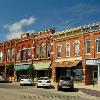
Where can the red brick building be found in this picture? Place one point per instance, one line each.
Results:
(77, 54)
(29, 49)
(74, 52)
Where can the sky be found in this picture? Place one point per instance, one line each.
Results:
(20, 16)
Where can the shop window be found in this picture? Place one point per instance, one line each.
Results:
(59, 51)
(48, 50)
(98, 44)
(43, 51)
(88, 46)
(76, 48)
(77, 74)
(67, 50)
(18, 55)
(29, 53)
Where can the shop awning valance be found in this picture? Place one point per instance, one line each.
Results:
(65, 64)
(42, 65)
(22, 66)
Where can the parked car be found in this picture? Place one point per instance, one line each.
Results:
(65, 82)
(2, 78)
(26, 81)
(43, 82)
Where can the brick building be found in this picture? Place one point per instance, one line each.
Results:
(74, 52)
(77, 54)
(29, 49)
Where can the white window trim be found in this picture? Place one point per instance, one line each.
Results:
(97, 45)
(57, 50)
(86, 45)
(78, 47)
(66, 49)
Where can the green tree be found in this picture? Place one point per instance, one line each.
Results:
(10, 69)
(31, 71)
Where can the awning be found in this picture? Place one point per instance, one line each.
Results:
(42, 65)
(22, 66)
(65, 64)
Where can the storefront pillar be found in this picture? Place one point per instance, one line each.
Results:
(84, 73)
(54, 74)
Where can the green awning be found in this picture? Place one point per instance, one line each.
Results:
(22, 66)
(42, 65)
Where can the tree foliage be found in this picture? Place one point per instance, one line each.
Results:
(31, 71)
(10, 69)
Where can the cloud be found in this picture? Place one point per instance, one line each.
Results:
(16, 29)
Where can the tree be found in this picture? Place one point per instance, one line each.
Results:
(10, 69)
(31, 71)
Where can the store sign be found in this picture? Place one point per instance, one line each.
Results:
(91, 62)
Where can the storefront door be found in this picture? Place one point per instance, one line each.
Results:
(95, 74)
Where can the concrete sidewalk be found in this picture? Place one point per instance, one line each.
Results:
(90, 90)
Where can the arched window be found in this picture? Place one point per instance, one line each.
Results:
(48, 50)
(76, 48)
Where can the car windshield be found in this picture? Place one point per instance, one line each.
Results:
(65, 78)
(43, 78)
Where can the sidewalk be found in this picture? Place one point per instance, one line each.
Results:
(89, 89)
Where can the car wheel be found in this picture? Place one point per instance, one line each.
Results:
(59, 89)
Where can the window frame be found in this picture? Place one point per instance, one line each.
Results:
(59, 53)
(97, 47)
(67, 50)
(75, 48)
(88, 46)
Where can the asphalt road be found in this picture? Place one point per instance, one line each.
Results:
(10, 91)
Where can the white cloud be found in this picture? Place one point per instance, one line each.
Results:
(16, 29)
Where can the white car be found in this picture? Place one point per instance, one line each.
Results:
(2, 78)
(26, 81)
(43, 82)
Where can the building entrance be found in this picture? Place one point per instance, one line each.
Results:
(95, 74)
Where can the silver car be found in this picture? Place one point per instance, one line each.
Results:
(65, 82)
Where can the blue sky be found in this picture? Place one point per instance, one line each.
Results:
(19, 16)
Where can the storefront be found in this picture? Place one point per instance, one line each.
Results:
(42, 69)
(21, 69)
(67, 68)
(92, 71)
(2, 69)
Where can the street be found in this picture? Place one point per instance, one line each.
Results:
(11, 91)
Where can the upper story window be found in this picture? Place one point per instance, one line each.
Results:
(98, 44)
(8, 54)
(13, 51)
(18, 56)
(1, 56)
(68, 50)
(29, 53)
(23, 54)
(88, 45)
(48, 50)
(76, 48)
(37, 52)
(59, 51)
(43, 51)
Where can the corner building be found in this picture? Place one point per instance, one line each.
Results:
(77, 54)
